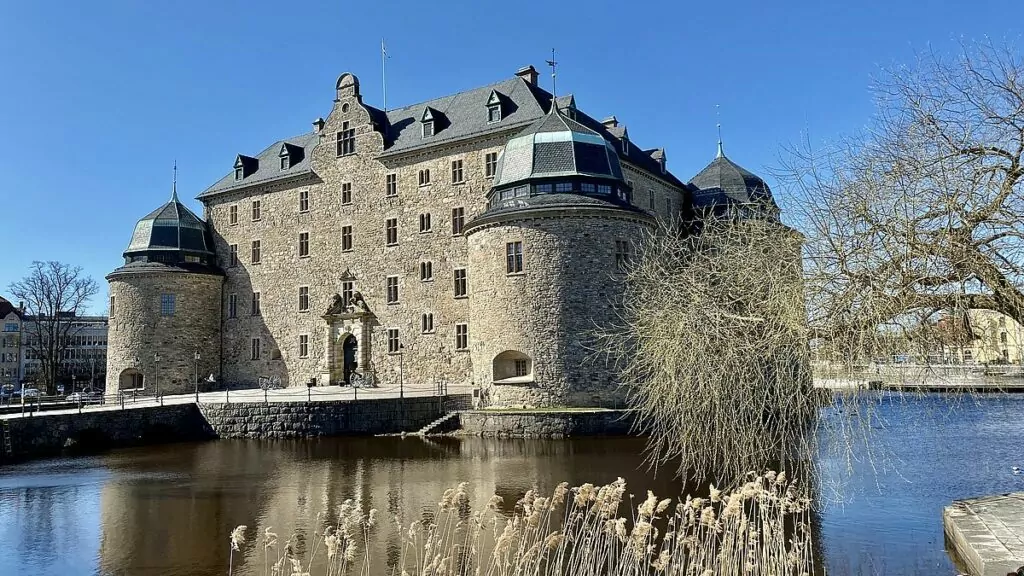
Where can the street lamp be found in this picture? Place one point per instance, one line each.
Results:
(156, 376)
(401, 371)
(197, 375)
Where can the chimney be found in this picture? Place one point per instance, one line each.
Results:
(318, 124)
(528, 73)
(21, 306)
(610, 122)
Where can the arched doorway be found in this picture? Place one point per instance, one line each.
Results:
(130, 379)
(350, 353)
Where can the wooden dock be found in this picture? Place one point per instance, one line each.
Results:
(987, 534)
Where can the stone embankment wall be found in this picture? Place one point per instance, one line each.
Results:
(526, 424)
(305, 420)
(47, 434)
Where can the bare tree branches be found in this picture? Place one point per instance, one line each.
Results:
(53, 293)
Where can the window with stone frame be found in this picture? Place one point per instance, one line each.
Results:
(257, 212)
(391, 187)
(348, 288)
(513, 257)
(346, 140)
(303, 298)
(461, 290)
(391, 289)
(255, 310)
(303, 244)
(303, 345)
(256, 251)
(458, 220)
(427, 323)
(232, 255)
(391, 231)
(462, 336)
(425, 177)
(233, 214)
(232, 305)
(303, 200)
(425, 223)
(457, 173)
(346, 193)
(668, 207)
(110, 313)
(167, 304)
(623, 254)
(346, 238)
(490, 164)
(255, 349)
(426, 271)
(394, 346)
(650, 199)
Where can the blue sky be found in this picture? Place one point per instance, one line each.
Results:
(97, 99)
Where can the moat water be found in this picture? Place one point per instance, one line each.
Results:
(167, 510)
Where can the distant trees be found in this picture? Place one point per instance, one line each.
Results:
(53, 293)
(921, 213)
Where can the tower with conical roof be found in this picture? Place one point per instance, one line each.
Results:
(545, 262)
(165, 305)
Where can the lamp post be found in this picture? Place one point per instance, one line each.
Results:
(156, 372)
(197, 375)
(401, 371)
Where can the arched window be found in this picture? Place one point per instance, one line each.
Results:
(131, 379)
(513, 366)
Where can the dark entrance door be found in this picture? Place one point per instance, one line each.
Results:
(349, 349)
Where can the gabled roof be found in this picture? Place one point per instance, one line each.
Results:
(6, 308)
(269, 168)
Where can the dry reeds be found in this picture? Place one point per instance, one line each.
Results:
(760, 527)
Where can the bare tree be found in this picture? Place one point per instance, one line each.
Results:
(53, 293)
(921, 213)
(713, 347)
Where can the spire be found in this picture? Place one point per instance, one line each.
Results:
(552, 63)
(720, 153)
(174, 183)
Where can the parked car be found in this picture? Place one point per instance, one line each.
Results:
(30, 395)
(87, 396)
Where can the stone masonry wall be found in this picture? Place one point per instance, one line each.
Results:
(568, 288)
(545, 424)
(302, 420)
(138, 331)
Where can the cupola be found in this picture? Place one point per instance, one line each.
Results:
(724, 186)
(172, 234)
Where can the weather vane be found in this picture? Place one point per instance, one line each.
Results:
(552, 63)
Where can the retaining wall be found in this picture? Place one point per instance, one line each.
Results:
(528, 424)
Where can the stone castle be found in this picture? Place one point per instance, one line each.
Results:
(472, 240)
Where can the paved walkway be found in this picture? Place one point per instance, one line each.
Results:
(293, 394)
(987, 533)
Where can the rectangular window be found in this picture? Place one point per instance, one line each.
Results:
(391, 231)
(514, 257)
(542, 188)
(303, 345)
(346, 238)
(460, 283)
(393, 345)
(167, 304)
(346, 193)
(255, 355)
(493, 113)
(563, 187)
(588, 188)
(392, 185)
(428, 129)
(391, 289)
(425, 222)
(346, 140)
(650, 200)
(426, 271)
(668, 206)
(458, 220)
(303, 200)
(239, 173)
(255, 251)
(522, 367)
(232, 305)
(303, 244)
(111, 310)
(233, 255)
(285, 164)
(462, 336)
(303, 298)
(604, 189)
(425, 177)
(457, 177)
(427, 323)
(255, 303)
(490, 164)
(256, 212)
(347, 289)
(233, 214)
(622, 255)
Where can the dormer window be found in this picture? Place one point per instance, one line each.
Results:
(428, 129)
(290, 155)
(245, 166)
(429, 123)
(285, 163)
(239, 173)
(625, 143)
(494, 107)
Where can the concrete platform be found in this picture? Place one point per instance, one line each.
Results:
(987, 534)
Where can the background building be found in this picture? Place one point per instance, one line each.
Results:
(84, 360)
(990, 338)
(10, 344)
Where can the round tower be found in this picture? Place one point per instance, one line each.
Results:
(545, 262)
(165, 306)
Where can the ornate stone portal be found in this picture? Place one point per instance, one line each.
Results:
(349, 338)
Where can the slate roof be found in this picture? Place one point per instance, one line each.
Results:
(725, 182)
(465, 116)
(170, 227)
(6, 308)
(555, 201)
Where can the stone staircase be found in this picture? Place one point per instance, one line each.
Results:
(433, 426)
